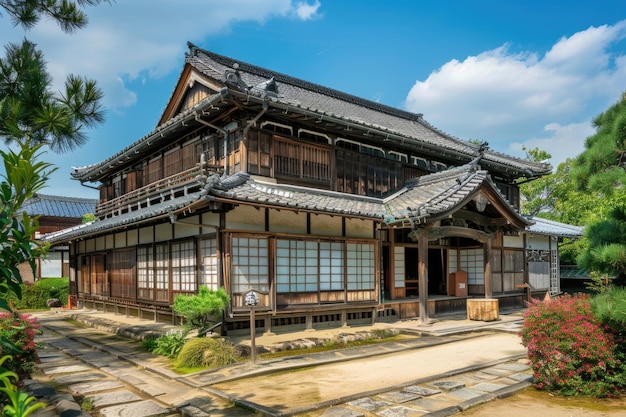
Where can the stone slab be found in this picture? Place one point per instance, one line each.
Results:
(369, 404)
(400, 411)
(131, 379)
(113, 398)
(151, 389)
(488, 387)
(50, 357)
(341, 412)
(80, 377)
(95, 386)
(522, 377)
(191, 411)
(497, 371)
(465, 394)
(471, 379)
(398, 396)
(486, 376)
(98, 359)
(423, 391)
(448, 385)
(71, 369)
(436, 403)
(138, 409)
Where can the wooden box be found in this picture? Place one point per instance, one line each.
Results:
(483, 309)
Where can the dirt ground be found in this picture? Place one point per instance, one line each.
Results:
(535, 403)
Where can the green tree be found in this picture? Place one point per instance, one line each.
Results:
(558, 197)
(68, 14)
(599, 171)
(30, 112)
(33, 116)
(202, 309)
(601, 166)
(24, 177)
(538, 195)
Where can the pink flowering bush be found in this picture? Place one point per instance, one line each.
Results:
(18, 340)
(570, 351)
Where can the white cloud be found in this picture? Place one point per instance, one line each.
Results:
(561, 142)
(128, 41)
(522, 98)
(307, 11)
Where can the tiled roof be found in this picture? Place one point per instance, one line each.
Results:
(552, 228)
(422, 199)
(300, 94)
(294, 197)
(437, 193)
(57, 206)
(297, 95)
(134, 217)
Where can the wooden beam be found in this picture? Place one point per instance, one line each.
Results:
(422, 275)
(488, 275)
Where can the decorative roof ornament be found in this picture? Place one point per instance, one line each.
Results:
(481, 202)
(265, 89)
(233, 77)
(482, 148)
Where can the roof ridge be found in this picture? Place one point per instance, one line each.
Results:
(298, 82)
(64, 198)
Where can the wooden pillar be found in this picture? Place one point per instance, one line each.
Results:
(488, 278)
(422, 275)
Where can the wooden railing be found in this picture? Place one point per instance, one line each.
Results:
(156, 192)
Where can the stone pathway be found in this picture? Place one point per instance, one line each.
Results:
(121, 380)
(115, 385)
(444, 396)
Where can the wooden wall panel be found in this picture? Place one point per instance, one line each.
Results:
(123, 275)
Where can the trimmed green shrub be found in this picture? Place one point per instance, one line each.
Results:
(170, 344)
(610, 308)
(207, 352)
(34, 296)
(149, 344)
(570, 351)
(203, 309)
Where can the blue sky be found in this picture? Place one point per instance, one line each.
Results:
(529, 73)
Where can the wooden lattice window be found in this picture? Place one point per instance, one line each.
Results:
(360, 266)
(297, 266)
(183, 258)
(250, 264)
(210, 272)
(161, 272)
(145, 272)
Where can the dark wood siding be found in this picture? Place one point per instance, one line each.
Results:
(363, 174)
(123, 276)
(98, 275)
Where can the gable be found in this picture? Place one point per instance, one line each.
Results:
(190, 90)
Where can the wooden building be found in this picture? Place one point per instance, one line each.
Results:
(331, 208)
(54, 213)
